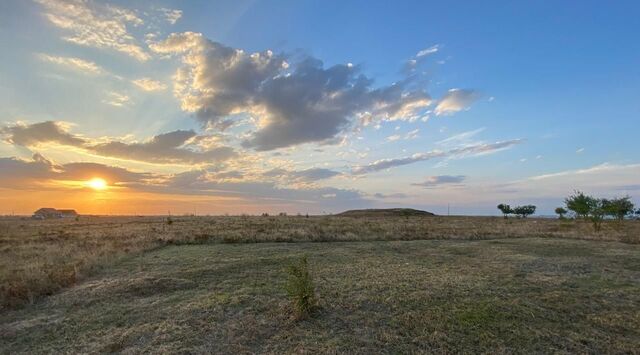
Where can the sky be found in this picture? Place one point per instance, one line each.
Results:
(216, 107)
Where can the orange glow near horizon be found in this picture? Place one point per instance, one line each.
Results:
(124, 201)
(97, 184)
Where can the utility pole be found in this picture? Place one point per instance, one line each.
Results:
(448, 206)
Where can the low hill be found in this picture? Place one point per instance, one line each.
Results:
(385, 212)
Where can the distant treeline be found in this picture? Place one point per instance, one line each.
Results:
(582, 206)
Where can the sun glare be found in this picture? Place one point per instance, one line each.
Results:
(97, 184)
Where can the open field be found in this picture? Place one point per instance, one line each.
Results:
(504, 295)
(40, 257)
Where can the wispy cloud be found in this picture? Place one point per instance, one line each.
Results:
(96, 25)
(117, 99)
(147, 84)
(306, 175)
(171, 16)
(73, 63)
(428, 51)
(473, 150)
(439, 180)
(412, 134)
(456, 100)
(393, 138)
(460, 138)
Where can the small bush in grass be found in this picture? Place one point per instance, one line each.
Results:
(300, 288)
(169, 221)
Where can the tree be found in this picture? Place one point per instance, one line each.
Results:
(505, 209)
(618, 208)
(561, 212)
(580, 204)
(597, 211)
(524, 211)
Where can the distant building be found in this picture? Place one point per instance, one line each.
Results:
(48, 213)
(68, 213)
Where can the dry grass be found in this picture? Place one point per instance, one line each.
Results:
(41, 257)
(526, 295)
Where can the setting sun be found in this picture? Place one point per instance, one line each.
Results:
(97, 184)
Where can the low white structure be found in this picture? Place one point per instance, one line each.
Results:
(48, 213)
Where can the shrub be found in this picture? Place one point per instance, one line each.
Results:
(580, 204)
(619, 208)
(505, 209)
(169, 221)
(300, 288)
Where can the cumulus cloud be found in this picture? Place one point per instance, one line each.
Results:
(293, 103)
(456, 100)
(172, 147)
(147, 84)
(439, 180)
(95, 25)
(472, 150)
(74, 63)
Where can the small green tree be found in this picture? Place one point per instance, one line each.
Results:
(619, 208)
(561, 212)
(524, 211)
(505, 209)
(580, 204)
(300, 288)
(597, 211)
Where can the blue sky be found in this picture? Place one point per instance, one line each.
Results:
(511, 102)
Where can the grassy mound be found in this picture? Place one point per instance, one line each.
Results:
(385, 212)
